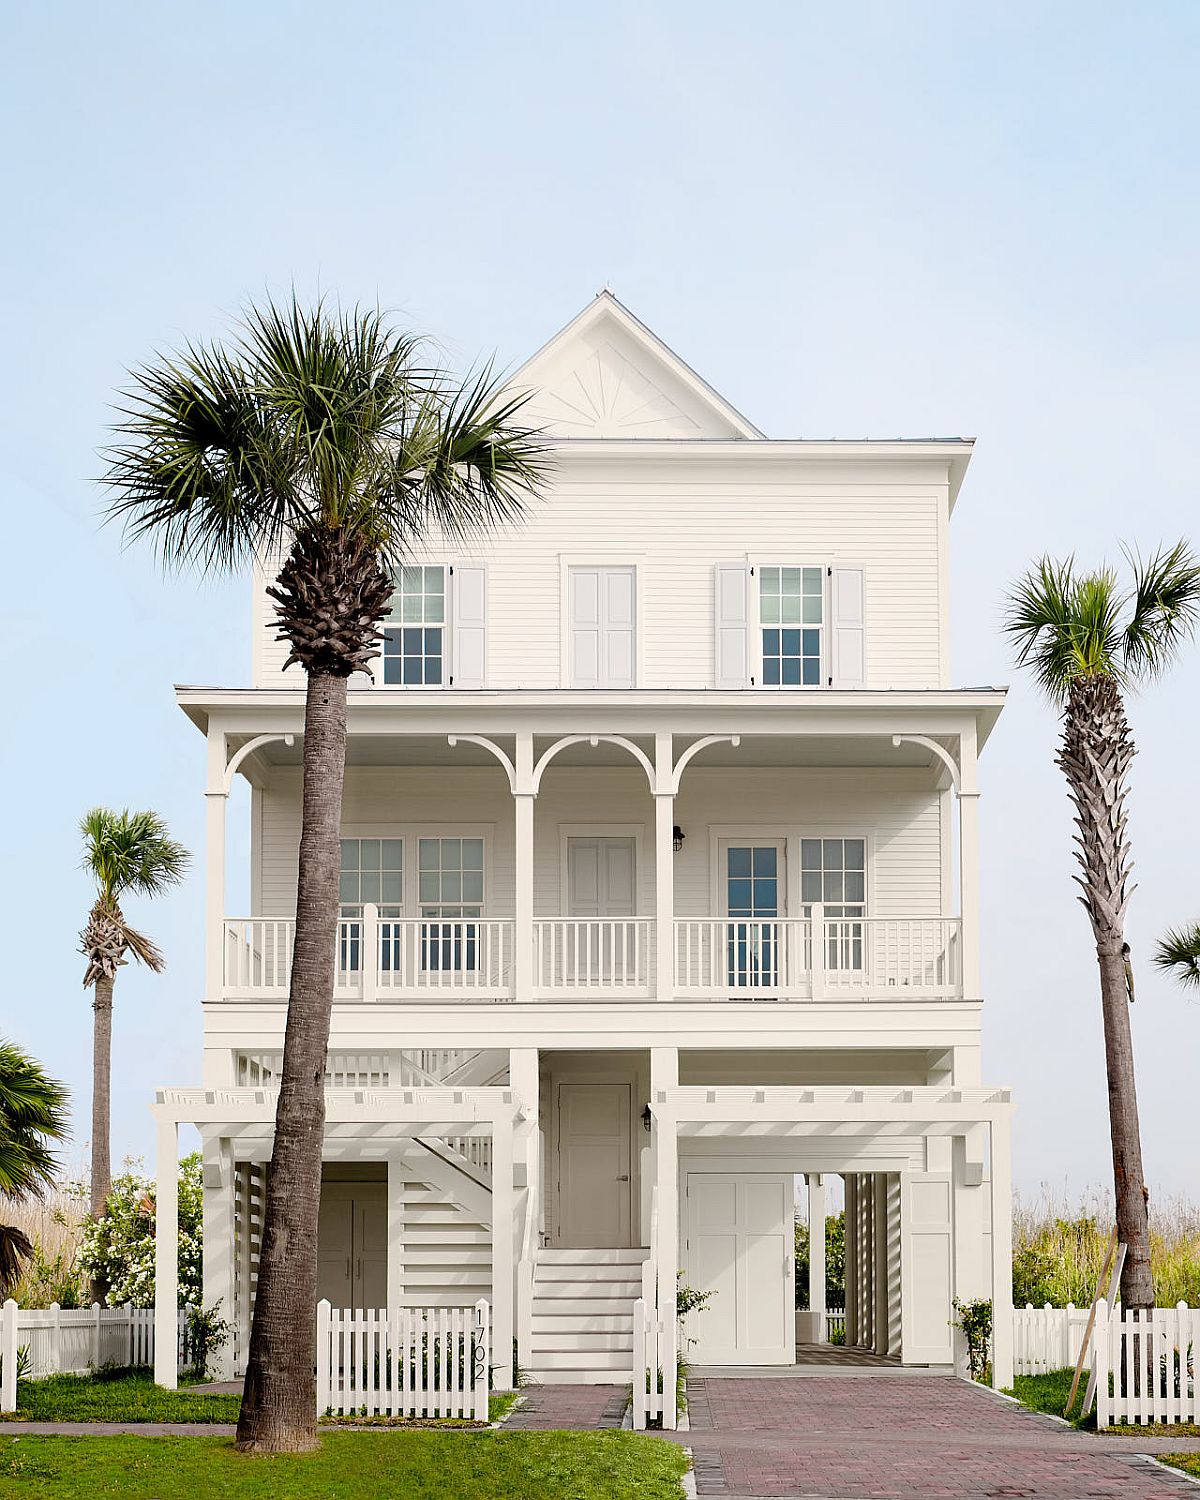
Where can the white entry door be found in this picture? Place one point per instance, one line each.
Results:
(352, 1245)
(740, 1247)
(594, 1203)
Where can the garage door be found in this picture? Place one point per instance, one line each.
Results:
(740, 1247)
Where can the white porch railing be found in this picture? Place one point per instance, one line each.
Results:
(596, 955)
(1145, 1365)
(403, 1362)
(818, 957)
(72, 1341)
(527, 1269)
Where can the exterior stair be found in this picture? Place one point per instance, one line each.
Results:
(583, 1316)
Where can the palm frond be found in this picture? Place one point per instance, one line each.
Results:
(1163, 609)
(1178, 954)
(131, 851)
(15, 1249)
(33, 1116)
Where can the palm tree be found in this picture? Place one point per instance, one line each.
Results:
(1178, 954)
(320, 432)
(124, 851)
(1087, 641)
(33, 1115)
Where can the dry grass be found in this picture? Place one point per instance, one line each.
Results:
(1059, 1245)
(55, 1225)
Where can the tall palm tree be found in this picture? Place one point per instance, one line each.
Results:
(1178, 954)
(322, 433)
(123, 851)
(1088, 640)
(33, 1115)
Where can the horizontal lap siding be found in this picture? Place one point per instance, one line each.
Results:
(676, 528)
(898, 809)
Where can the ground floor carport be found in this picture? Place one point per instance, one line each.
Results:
(927, 1214)
(362, 1125)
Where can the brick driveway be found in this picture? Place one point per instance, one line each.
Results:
(864, 1438)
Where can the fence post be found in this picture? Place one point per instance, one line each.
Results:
(639, 1365)
(95, 1359)
(324, 1361)
(8, 1357)
(1069, 1353)
(481, 1361)
(54, 1362)
(1100, 1352)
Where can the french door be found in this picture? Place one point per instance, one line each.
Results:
(752, 893)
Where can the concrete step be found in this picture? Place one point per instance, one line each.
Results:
(577, 1310)
(585, 1375)
(585, 1322)
(575, 1270)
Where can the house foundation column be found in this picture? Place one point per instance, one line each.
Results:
(879, 1262)
(850, 1222)
(395, 1230)
(503, 1270)
(968, 860)
(664, 868)
(166, 1256)
(219, 1285)
(666, 1175)
(1002, 1313)
(816, 1255)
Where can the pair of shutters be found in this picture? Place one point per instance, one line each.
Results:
(602, 611)
(738, 651)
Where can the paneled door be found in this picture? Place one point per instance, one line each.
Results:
(601, 609)
(594, 1156)
(352, 1244)
(752, 891)
(739, 1247)
(600, 885)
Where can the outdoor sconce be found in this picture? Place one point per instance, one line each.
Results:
(677, 838)
(646, 1117)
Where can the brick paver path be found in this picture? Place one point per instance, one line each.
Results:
(865, 1438)
(578, 1408)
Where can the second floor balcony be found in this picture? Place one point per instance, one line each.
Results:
(811, 958)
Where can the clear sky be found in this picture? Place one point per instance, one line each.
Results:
(853, 219)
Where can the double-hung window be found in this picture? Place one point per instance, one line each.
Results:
(450, 890)
(372, 873)
(834, 873)
(414, 642)
(791, 607)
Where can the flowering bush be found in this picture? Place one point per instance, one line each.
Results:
(118, 1247)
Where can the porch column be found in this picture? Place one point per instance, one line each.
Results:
(503, 1270)
(219, 1285)
(666, 1176)
(216, 800)
(523, 798)
(879, 1220)
(1002, 1315)
(395, 1230)
(664, 867)
(816, 1255)
(166, 1255)
(968, 860)
(850, 1221)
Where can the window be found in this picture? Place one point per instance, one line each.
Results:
(834, 872)
(372, 871)
(792, 619)
(450, 888)
(752, 901)
(414, 650)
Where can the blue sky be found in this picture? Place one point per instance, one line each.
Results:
(854, 220)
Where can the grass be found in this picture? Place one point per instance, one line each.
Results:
(349, 1466)
(132, 1396)
(1048, 1393)
(1189, 1463)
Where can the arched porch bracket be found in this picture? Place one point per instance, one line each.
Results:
(249, 748)
(593, 739)
(693, 750)
(493, 749)
(939, 750)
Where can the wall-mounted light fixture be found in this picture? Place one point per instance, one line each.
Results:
(646, 1118)
(677, 838)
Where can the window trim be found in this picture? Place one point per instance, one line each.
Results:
(447, 644)
(782, 560)
(569, 560)
(411, 833)
(720, 834)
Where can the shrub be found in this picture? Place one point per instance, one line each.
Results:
(118, 1247)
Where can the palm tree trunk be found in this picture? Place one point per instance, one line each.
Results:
(1097, 749)
(102, 1008)
(278, 1413)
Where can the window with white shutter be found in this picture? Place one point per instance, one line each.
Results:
(436, 634)
(602, 625)
(468, 641)
(790, 625)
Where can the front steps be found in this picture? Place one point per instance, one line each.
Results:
(583, 1316)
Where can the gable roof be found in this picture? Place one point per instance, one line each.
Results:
(606, 375)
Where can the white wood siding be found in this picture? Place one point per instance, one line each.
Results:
(678, 519)
(898, 811)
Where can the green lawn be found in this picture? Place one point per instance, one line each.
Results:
(132, 1396)
(1048, 1393)
(349, 1466)
(1188, 1462)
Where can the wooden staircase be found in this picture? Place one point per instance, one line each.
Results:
(583, 1316)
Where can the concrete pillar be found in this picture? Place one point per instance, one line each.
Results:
(666, 1173)
(664, 868)
(816, 1254)
(218, 1207)
(166, 1255)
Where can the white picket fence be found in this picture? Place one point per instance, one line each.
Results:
(1146, 1365)
(649, 1377)
(835, 1322)
(1047, 1338)
(403, 1362)
(72, 1341)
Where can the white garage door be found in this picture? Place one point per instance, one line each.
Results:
(740, 1247)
